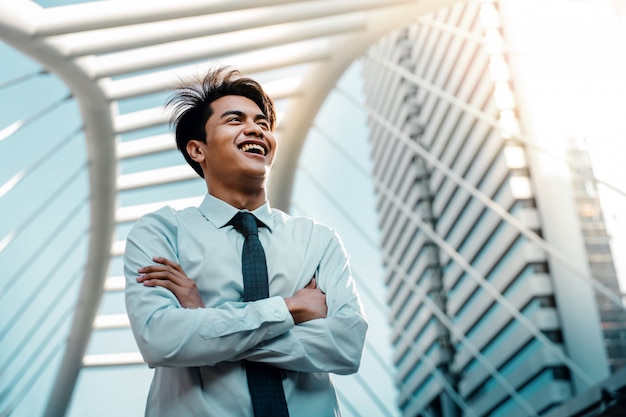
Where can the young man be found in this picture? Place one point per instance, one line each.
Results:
(185, 286)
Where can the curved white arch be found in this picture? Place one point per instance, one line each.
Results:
(96, 112)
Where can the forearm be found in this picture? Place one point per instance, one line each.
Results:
(172, 336)
(332, 344)
(168, 334)
(324, 345)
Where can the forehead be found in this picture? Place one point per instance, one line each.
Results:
(236, 103)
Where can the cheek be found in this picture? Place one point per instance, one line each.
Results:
(273, 142)
(219, 157)
(221, 146)
(274, 152)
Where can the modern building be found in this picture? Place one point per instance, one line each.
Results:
(494, 308)
(598, 250)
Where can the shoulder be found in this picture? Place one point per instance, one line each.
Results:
(167, 213)
(164, 219)
(304, 225)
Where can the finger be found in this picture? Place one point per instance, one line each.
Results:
(161, 283)
(167, 268)
(311, 285)
(167, 262)
(152, 268)
(162, 276)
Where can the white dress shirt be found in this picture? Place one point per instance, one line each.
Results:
(197, 353)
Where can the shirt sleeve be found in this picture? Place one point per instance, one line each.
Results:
(168, 334)
(333, 344)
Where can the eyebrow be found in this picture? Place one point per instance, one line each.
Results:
(239, 113)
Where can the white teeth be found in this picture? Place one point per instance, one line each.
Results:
(253, 146)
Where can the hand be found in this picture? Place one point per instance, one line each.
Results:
(170, 275)
(307, 304)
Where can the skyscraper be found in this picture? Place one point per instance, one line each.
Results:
(598, 249)
(492, 302)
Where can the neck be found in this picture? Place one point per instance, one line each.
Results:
(241, 199)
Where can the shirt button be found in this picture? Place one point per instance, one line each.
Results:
(277, 314)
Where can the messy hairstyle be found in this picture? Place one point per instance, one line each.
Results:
(190, 104)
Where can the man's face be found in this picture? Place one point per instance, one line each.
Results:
(239, 143)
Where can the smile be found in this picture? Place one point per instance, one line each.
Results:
(253, 148)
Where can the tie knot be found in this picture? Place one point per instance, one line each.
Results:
(245, 223)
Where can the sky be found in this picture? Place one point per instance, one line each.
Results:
(576, 65)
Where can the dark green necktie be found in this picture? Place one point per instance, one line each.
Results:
(264, 381)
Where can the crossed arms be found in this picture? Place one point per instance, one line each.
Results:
(306, 304)
(319, 328)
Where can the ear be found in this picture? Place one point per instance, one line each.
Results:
(195, 150)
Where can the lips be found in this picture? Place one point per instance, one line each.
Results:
(253, 147)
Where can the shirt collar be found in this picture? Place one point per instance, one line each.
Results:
(219, 212)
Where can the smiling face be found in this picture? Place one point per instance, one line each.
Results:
(240, 147)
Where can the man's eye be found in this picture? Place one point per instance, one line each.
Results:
(234, 119)
(264, 125)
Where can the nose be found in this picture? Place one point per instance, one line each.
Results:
(253, 129)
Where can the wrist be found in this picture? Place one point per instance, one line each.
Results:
(292, 307)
